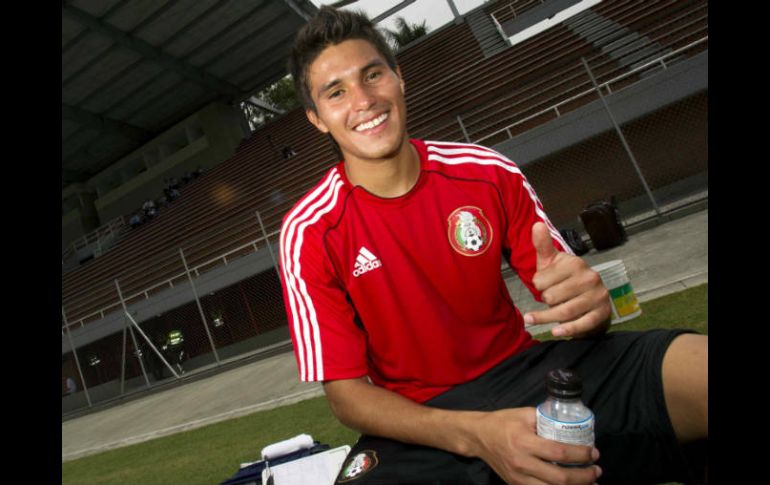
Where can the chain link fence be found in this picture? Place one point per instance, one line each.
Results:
(217, 314)
(670, 147)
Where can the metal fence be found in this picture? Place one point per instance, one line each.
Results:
(513, 9)
(94, 243)
(225, 309)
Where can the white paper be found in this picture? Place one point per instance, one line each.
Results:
(321, 468)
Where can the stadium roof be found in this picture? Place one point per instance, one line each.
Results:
(133, 68)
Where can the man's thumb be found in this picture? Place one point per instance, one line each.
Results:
(541, 239)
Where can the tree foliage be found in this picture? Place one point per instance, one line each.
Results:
(281, 95)
(405, 32)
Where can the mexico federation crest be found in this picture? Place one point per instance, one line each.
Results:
(470, 233)
(358, 466)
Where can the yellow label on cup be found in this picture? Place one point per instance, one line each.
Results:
(624, 299)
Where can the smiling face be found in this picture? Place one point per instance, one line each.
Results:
(359, 100)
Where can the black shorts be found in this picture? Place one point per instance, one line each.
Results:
(622, 384)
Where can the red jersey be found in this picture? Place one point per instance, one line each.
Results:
(408, 290)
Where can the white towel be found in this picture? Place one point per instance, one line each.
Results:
(299, 442)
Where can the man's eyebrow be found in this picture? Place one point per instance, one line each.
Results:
(374, 63)
(328, 86)
(334, 82)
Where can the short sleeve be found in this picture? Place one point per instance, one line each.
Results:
(327, 343)
(524, 209)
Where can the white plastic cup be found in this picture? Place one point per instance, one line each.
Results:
(622, 298)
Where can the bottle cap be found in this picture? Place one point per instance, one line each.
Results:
(564, 383)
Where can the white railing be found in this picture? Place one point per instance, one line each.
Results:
(606, 85)
(221, 259)
(510, 11)
(96, 236)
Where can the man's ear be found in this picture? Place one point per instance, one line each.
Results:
(401, 79)
(316, 121)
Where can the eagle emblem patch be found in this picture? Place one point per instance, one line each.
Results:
(357, 466)
(470, 233)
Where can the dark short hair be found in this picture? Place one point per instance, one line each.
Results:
(330, 27)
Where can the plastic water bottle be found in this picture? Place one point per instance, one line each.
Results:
(562, 416)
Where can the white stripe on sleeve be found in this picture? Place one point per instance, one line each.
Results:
(301, 212)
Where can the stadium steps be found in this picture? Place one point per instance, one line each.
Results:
(110, 242)
(624, 45)
(486, 33)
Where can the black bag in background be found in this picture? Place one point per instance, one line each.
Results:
(602, 221)
(573, 239)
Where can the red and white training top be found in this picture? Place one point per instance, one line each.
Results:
(408, 290)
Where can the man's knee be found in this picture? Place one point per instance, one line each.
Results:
(685, 385)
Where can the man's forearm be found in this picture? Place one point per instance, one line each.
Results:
(377, 411)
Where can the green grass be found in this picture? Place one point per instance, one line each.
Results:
(211, 454)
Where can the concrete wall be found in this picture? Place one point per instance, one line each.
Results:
(80, 215)
(204, 139)
(71, 228)
(670, 146)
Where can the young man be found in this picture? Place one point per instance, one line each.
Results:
(392, 284)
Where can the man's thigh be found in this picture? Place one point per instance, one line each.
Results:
(685, 383)
(379, 461)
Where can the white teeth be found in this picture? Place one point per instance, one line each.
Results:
(371, 124)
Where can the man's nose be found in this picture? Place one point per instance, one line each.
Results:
(363, 98)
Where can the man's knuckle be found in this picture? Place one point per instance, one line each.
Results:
(537, 281)
(594, 278)
(560, 314)
(605, 312)
(576, 263)
(574, 309)
(583, 304)
(515, 464)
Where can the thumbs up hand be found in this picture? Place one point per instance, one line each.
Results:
(574, 293)
(541, 239)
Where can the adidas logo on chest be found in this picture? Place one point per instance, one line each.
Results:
(365, 262)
